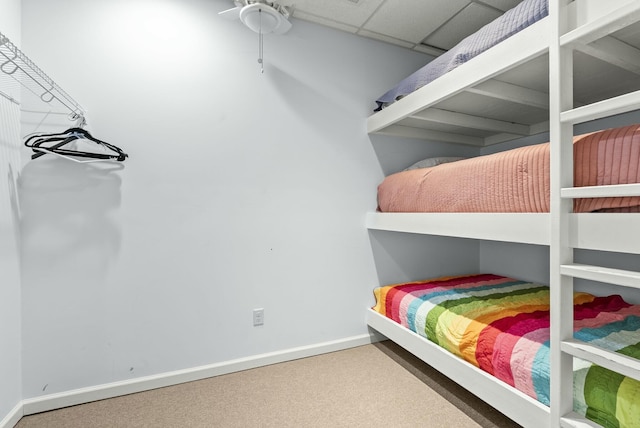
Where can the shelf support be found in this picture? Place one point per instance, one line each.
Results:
(17, 65)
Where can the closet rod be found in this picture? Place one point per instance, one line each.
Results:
(15, 60)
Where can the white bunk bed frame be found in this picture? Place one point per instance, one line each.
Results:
(504, 94)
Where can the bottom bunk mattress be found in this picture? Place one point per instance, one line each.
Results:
(501, 325)
(517, 180)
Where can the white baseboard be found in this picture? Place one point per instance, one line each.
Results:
(13, 417)
(100, 392)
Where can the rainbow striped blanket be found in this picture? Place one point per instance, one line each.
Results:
(501, 325)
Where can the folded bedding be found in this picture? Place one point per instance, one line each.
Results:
(503, 27)
(518, 180)
(501, 325)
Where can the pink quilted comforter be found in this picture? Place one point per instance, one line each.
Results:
(518, 180)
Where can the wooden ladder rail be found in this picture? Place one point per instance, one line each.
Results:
(562, 117)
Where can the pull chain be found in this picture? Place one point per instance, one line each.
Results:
(260, 45)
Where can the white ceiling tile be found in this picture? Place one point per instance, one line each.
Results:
(342, 11)
(412, 20)
(503, 5)
(469, 20)
(401, 22)
(325, 22)
(384, 38)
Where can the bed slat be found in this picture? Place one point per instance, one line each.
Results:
(475, 122)
(512, 93)
(615, 52)
(428, 134)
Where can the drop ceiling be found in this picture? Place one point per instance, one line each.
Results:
(428, 26)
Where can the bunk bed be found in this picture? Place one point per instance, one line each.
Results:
(517, 180)
(501, 325)
(578, 64)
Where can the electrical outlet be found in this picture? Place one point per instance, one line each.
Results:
(258, 317)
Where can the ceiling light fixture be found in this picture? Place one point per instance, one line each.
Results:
(262, 17)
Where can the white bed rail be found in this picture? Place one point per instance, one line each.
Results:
(518, 49)
(508, 400)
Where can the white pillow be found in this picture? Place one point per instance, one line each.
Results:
(429, 162)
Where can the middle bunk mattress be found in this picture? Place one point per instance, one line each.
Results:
(517, 180)
(501, 325)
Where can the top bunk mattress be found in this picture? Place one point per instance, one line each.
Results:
(517, 180)
(503, 27)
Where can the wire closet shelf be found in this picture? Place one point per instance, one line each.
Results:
(17, 65)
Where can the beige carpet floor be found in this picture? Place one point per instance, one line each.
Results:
(378, 385)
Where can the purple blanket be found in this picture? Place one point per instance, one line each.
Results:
(503, 27)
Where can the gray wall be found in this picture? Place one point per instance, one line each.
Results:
(10, 342)
(242, 190)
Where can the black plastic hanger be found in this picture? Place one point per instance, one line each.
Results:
(40, 144)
